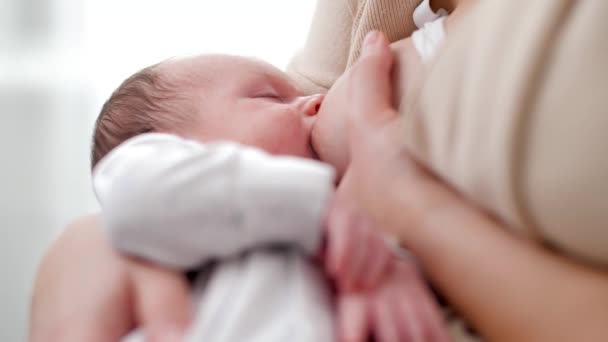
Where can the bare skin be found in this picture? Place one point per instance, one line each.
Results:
(523, 292)
(85, 291)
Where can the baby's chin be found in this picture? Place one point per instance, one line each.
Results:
(316, 142)
(312, 152)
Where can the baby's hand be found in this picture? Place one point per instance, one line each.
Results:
(357, 256)
(401, 308)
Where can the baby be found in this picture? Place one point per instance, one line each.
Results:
(205, 163)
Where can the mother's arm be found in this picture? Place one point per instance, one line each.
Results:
(509, 288)
(85, 291)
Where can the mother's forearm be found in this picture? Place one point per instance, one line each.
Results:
(509, 288)
(81, 292)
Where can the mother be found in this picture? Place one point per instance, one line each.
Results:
(509, 215)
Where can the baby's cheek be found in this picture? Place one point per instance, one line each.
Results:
(289, 136)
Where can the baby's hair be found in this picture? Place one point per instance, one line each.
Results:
(145, 102)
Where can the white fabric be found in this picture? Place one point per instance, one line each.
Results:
(428, 39)
(423, 14)
(269, 296)
(266, 296)
(181, 203)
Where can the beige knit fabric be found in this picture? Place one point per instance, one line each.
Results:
(513, 112)
(336, 34)
(516, 118)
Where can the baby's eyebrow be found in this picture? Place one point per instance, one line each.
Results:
(285, 83)
(276, 79)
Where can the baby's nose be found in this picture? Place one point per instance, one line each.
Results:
(310, 105)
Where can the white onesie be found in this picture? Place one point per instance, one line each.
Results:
(431, 31)
(184, 204)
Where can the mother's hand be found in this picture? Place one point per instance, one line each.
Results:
(400, 308)
(330, 133)
(380, 168)
(85, 291)
(509, 288)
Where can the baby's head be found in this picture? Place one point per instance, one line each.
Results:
(207, 98)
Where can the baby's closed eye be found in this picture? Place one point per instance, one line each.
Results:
(267, 93)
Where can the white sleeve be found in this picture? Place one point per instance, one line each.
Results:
(180, 203)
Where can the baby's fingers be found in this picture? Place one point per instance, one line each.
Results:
(353, 324)
(379, 260)
(385, 324)
(433, 327)
(417, 305)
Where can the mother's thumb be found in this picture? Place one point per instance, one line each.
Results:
(371, 77)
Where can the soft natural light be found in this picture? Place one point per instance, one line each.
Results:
(124, 36)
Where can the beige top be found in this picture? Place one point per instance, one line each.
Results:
(521, 124)
(505, 126)
(337, 32)
(513, 116)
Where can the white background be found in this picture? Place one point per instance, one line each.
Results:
(59, 60)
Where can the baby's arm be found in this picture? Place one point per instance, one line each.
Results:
(181, 203)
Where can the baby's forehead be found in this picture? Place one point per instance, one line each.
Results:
(217, 68)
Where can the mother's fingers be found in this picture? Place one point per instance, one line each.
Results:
(417, 301)
(162, 301)
(435, 328)
(370, 83)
